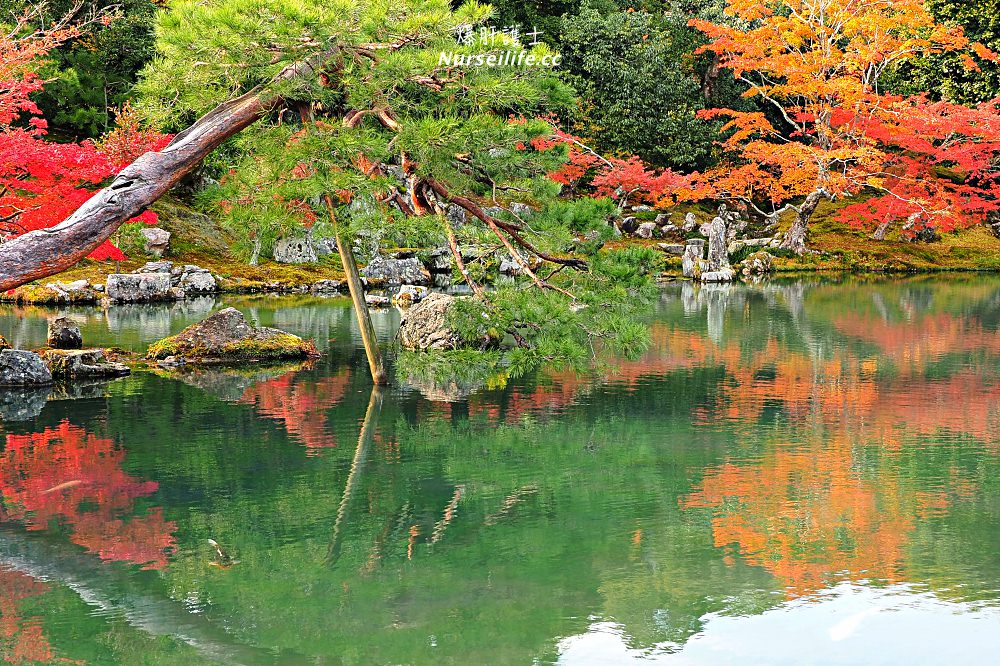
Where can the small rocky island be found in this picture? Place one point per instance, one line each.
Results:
(227, 337)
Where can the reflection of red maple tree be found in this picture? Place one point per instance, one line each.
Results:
(300, 405)
(66, 475)
(21, 640)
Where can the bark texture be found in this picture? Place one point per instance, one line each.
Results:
(42, 253)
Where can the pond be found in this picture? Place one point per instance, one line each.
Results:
(796, 472)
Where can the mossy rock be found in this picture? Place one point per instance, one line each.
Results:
(227, 337)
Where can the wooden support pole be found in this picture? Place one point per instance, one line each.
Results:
(368, 337)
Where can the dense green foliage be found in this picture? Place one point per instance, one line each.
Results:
(92, 76)
(946, 76)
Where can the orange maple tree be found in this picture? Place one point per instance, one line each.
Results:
(825, 128)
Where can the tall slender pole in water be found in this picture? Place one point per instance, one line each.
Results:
(360, 454)
(368, 337)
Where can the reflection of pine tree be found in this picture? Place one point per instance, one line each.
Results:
(67, 476)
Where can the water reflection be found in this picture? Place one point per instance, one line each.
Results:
(788, 463)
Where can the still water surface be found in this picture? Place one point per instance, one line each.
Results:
(797, 472)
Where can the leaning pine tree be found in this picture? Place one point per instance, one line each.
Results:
(379, 133)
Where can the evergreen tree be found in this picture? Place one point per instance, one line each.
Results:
(386, 131)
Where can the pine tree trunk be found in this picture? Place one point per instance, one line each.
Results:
(795, 239)
(42, 253)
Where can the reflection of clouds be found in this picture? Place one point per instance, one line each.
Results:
(848, 624)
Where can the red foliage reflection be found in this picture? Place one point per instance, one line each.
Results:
(300, 406)
(67, 476)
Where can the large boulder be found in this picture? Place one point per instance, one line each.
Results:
(647, 230)
(64, 333)
(82, 364)
(425, 325)
(139, 287)
(383, 271)
(23, 368)
(157, 240)
(227, 336)
(295, 251)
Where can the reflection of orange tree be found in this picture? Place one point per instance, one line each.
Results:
(66, 475)
(300, 404)
(805, 515)
(21, 640)
(807, 511)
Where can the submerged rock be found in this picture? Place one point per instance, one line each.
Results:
(23, 368)
(425, 325)
(227, 336)
(82, 364)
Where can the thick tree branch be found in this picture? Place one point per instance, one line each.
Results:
(42, 253)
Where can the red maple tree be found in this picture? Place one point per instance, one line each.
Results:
(42, 182)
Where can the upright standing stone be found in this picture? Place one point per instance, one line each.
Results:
(691, 261)
(718, 256)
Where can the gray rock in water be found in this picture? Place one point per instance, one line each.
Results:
(23, 368)
(157, 240)
(327, 287)
(377, 301)
(395, 272)
(22, 403)
(647, 230)
(139, 288)
(425, 325)
(724, 275)
(64, 333)
(295, 251)
(83, 364)
(718, 257)
(227, 336)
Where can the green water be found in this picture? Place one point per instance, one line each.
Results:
(798, 472)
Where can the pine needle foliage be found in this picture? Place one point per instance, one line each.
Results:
(391, 135)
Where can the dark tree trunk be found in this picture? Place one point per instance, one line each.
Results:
(42, 253)
(795, 239)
